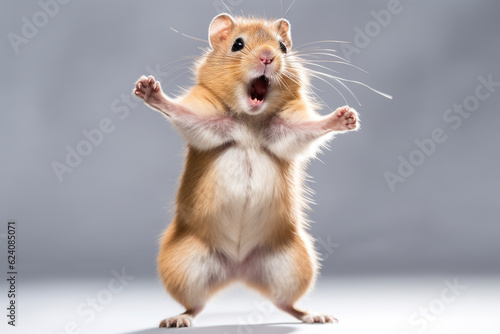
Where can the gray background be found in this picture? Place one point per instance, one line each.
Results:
(109, 212)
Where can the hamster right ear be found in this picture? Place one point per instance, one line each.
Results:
(220, 28)
(283, 28)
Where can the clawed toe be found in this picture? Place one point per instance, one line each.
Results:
(342, 110)
(182, 320)
(319, 319)
(147, 88)
(348, 117)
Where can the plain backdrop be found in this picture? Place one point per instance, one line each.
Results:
(77, 72)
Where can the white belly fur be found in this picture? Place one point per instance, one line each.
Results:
(246, 182)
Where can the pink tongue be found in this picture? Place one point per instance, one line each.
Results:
(260, 86)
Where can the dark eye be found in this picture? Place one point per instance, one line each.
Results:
(238, 45)
(283, 47)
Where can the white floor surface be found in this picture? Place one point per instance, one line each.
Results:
(389, 305)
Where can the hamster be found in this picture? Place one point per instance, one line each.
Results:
(250, 127)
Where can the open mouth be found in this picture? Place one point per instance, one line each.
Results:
(257, 91)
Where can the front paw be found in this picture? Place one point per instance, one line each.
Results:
(148, 89)
(345, 119)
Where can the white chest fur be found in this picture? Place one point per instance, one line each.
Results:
(245, 187)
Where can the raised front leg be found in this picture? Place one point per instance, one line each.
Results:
(288, 138)
(200, 132)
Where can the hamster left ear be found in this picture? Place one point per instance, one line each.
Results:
(220, 28)
(283, 27)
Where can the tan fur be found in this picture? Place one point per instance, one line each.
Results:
(240, 204)
(178, 248)
(259, 34)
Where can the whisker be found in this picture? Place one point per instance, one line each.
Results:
(311, 49)
(175, 78)
(321, 66)
(171, 72)
(295, 78)
(341, 83)
(326, 41)
(188, 62)
(367, 86)
(288, 10)
(284, 17)
(329, 83)
(355, 82)
(304, 61)
(292, 79)
(188, 36)
(282, 82)
(227, 7)
(326, 54)
(318, 99)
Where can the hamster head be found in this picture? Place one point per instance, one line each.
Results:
(249, 66)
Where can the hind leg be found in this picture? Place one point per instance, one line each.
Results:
(191, 274)
(284, 276)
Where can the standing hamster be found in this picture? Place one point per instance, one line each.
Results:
(250, 127)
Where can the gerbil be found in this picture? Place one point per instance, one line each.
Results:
(250, 127)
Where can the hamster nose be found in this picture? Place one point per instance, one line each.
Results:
(266, 57)
(266, 61)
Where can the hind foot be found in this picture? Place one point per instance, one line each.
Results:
(181, 320)
(308, 317)
(315, 318)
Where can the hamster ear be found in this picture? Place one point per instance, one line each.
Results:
(283, 27)
(220, 28)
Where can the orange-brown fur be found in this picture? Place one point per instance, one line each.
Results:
(261, 33)
(193, 261)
